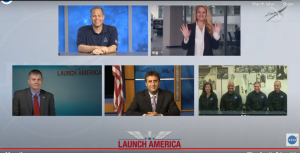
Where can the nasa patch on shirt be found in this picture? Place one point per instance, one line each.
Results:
(281, 96)
(262, 96)
(116, 41)
(235, 97)
(105, 40)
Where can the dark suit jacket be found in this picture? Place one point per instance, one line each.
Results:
(209, 42)
(23, 105)
(141, 104)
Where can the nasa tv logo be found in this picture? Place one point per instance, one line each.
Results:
(6, 2)
(292, 139)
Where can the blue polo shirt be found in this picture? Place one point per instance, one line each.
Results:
(107, 37)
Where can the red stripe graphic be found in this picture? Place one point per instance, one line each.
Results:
(155, 148)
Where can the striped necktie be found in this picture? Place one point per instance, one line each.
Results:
(153, 103)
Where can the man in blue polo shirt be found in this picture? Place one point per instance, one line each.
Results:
(97, 38)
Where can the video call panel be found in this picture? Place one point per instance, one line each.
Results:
(75, 22)
(222, 34)
(173, 85)
(149, 77)
(243, 90)
(58, 90)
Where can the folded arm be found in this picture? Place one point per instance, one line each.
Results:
(173, 109)
(87, 48)
(133, 109)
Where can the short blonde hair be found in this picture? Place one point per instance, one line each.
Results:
(97, 7)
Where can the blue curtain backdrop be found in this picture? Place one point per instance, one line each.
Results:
(140, 28)
(187, 88)
(164, 71)
(61, 28)
(78, 95)
(114, 15)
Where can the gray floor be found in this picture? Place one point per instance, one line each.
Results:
(157, 49)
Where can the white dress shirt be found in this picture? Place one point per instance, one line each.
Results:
(151, 97)
(199, 40)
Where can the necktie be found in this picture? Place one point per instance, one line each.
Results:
(153, 104)
(36, 106)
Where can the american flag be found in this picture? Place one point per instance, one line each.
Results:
(118, 90)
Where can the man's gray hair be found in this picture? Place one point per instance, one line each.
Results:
(277, 81)
(256, 83)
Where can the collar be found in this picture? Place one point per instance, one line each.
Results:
(33, 93)
(211, 94)
(104, 29)
(199, 27)
(256, 92)
(229, 93)
(278, 92)
(153, 95)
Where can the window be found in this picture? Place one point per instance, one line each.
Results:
(160, 12)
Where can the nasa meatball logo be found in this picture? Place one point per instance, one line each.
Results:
(6, 2)
(292, 139)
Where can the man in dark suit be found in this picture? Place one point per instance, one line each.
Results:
(153, 101)
(33, 101)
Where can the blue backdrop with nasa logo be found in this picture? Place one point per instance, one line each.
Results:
(117, 16)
